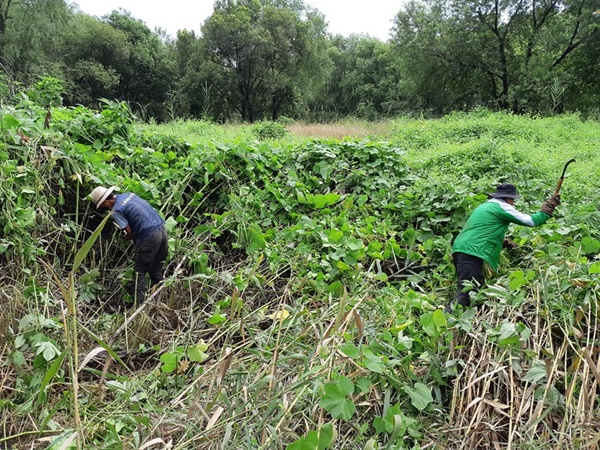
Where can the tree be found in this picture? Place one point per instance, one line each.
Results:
(30, 37)
(497, 51)
(93, 51)
(194, 93)
(578, 81)
(429, 83)
(146, 74)
(266, 53)
(364, 80)
(4, 14)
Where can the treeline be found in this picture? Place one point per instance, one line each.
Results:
(267, 59)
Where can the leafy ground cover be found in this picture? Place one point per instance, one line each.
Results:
(301, 306)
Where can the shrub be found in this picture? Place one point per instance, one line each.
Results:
(269, 130)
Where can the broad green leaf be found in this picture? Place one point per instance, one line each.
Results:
(537, 372)
(256, 238)
(322, 200)
(373, 362)
(508, 334)
(404, 343)
(594, 268)
(355, 244)
(517, 280)
(318, 200)
(350, 350)
(315, 440)
(170, 224)
(335, 236)
(335, 400)
(304, 199)
(428, 324)
(420, 396)
(530, 275)
(326, 436)
(169, 361)
(548, 395)
(9, 121)
(343, 266)
(380, 425)
(399, 427)
(364, 384)
(19, 341)
(439, 319)
(397, 328)
(217, 319)
(18, 358)
(5, 245)
(25, 217)
(388, 422)
(47, 349)
(119, 152)
(308, 442)
(197, 352)
(590, 245)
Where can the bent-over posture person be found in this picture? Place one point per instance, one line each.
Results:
(483, 236)
(145, 227)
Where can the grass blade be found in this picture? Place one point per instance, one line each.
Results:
(87, 245)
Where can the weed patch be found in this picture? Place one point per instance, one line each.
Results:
(301, 305)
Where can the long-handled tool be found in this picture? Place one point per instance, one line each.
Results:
(562, 177)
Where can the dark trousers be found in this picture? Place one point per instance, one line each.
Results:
(468, 268)
(150, 256)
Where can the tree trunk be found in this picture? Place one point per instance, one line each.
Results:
(4, 15)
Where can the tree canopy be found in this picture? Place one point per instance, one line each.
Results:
(501, 53)
(265, 52)
(262, 59)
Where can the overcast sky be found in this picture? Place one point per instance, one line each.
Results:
(345, 17)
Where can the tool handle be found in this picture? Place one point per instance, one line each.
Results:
(558, 186)
(562, 177)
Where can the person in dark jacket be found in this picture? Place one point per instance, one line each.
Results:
(483, 237)
(145, 227)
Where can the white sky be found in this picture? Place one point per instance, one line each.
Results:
(345, 17)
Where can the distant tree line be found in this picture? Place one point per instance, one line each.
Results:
(267, 59)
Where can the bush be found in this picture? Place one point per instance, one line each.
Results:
(269, 130)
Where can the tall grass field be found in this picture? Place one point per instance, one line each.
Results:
(303, 305)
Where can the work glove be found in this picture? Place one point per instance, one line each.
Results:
(551, 202)
(509, 244)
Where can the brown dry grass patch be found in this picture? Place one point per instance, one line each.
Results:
(498, 404)
(341, 130)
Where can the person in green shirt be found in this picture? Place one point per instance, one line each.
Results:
(483, 237)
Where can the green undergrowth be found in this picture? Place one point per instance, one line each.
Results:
(301, 306)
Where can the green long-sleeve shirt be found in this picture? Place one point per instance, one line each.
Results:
(484, 232)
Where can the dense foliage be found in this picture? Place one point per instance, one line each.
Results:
(255, 60)
(516, 55)
(301, 306)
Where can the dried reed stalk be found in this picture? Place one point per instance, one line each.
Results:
(499, 403)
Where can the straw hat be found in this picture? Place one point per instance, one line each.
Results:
(100, 194)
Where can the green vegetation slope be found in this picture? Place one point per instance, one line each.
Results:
(301, 306)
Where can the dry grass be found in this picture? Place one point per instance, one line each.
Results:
(498, 402)
(10, 299)
(341, 130)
